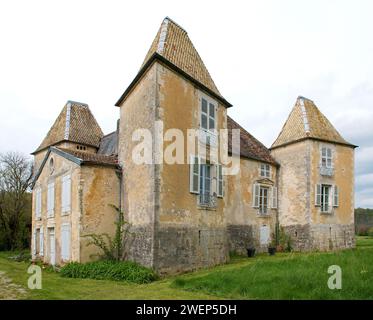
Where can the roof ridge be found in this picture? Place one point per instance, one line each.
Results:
(67, 121)
(162, 36)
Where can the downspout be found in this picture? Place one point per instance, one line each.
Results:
(278, 168)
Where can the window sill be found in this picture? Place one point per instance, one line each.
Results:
(263, 215)
(202, 207)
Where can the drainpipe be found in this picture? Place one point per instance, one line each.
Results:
(278, 206)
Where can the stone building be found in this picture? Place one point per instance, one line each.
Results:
(188, 213)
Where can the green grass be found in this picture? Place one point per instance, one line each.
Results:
(292, 276)
(283, 276)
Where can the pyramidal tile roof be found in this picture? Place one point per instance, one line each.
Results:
(75, 123)
(173, 45)
(307, 121)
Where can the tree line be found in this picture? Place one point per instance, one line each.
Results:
(15, 201)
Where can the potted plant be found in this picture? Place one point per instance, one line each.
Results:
(272, 247)
(250, 252)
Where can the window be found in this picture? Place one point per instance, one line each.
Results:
(38, 203)
(207, 115)
(205, 184)
(262, 195)
(265, 170)
(51, 166)
(325, 198)
(50, 200)
(201, 181)
(79, 147)
(66, 194)
(263, 200)
(326, 157)
(65, 242)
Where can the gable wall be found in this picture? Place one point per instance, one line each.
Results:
(62, 167)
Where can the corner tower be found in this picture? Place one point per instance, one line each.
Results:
(177, 225)
(316, 180)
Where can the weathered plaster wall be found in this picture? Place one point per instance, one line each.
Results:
(299, 173)
(187, 236)
(138, 192)
(243, 220)
(99, 188)
(334, 230)
(62, 167)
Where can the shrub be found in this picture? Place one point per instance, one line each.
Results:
(109, 270)
(362, 230)
(370, 232)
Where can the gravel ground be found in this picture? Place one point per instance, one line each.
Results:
(10, 290)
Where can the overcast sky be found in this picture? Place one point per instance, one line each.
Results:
(261, 55)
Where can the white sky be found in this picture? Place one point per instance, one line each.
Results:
(261, 55)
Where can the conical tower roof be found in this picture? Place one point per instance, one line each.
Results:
(307, 121)
(173, 46)
(75, 123)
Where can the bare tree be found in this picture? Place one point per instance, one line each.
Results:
(15, 180)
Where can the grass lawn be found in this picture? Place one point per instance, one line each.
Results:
(284, 276)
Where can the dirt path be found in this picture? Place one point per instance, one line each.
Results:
(10, 290)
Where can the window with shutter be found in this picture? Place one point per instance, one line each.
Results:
(256, 189)
(265, 170)
(194, 174)
(274, 197)
(41, 244)
(318, 195)
(336, 197)
(65, 242)
(220, 180)
(207, 115)
(50, 200)
(66, 194)
(38, 203)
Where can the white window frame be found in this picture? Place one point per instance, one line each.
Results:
(326, 157)
(66, 195)
(209, 102)
(326, 204)
(38, 203)
(194, 172)
(264, 207)
(50, 200)
(265, 170)
(65, 241)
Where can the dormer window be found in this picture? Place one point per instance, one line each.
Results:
(265, 170)
(326, 157)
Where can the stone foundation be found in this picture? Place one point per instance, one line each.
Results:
(240, 237)
(321, 237)
(140, 245)
(180, 249)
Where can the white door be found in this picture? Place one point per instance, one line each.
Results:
(52, 247)
(264, 235)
